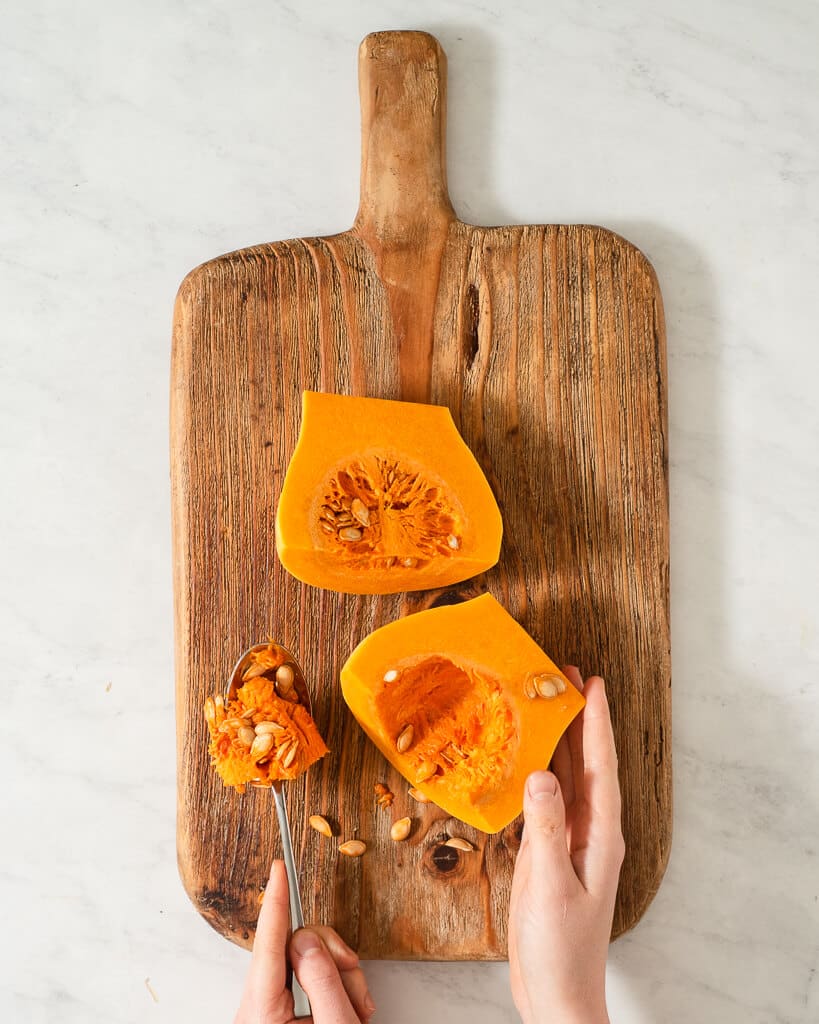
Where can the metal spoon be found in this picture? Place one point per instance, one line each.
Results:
(301, 1004)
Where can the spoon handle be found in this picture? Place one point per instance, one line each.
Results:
(301, 1004)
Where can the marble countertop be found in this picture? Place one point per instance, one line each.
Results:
(141, 139)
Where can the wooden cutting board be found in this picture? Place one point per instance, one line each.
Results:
(547, 343)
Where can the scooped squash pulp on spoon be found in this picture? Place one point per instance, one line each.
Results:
(381, 497)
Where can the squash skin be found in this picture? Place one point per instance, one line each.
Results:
(480, 637)
(337, 430)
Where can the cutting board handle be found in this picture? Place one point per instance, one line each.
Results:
(402, 81)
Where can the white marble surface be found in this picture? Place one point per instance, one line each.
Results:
(138, 139)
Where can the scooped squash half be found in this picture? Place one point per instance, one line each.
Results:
(382, 497)
(463, 703)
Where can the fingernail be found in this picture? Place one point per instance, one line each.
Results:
(304, 942)
(369, 1005)
(541, 785)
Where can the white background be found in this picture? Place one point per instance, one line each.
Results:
(137, 140)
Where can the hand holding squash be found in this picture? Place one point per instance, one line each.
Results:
(566, 873)
(327, 969)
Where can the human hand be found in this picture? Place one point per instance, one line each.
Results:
(327, 969)
(565, 880)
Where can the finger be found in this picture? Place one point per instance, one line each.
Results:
(358, 992)
(562, 767)
(574, 737)
(268, 968)
(345, 958)
(566, 761)
(320, 979)
(545, 832)
(601, 785)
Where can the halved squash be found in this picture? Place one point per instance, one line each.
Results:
(462, 701)
(382, 497)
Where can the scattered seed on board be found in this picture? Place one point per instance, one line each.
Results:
(460, 844)
(352, 848)
(416, 794)
(404, 741)
(321, 824)
(400, 829)
(360, 511)
(349, 533)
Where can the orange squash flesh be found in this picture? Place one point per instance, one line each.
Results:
(454, 680)
(288, 723)
(382, 497)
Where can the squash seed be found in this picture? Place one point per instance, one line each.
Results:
(409, 563)
(426, 769)
(360, 511)
(453, 542)
(391, 676)
(416, 794)
(285, 675)
(291, 756)
(460, 844)
(246, 735)
(261, 745)
(400, 829)
(404, 741)
(547, 686)
(256, 669)
(352, 848)
(349, 533)
(529, 688)
(321, 824)
(268, 727)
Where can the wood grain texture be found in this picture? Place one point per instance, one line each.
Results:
(547, 343)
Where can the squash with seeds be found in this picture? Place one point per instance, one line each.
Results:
(260, 736)
(381, 497)
(464, 703)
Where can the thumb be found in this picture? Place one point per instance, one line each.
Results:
(319, 977)
(545, 830)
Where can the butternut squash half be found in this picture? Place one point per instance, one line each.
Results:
(381, 497)
(463, 703)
